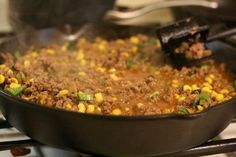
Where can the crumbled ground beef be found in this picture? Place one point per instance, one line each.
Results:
(193, 51)
(114, 77)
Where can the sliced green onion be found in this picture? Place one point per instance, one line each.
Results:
(183, 110)
(129, 63)
(71, 46)
(202, 102)
(20, 75)
(195, 103)
(85, 97)
(234, 84)
(204, 66)
(151, 40)
(16, 91)
(141, 47)
(152, 69)
(17, 54)
(204, 96)
(191, 72)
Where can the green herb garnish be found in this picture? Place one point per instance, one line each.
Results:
(129, 63)
(204, 96)
(17, 54)
(234, 84)
(204, 66)
(183, 110)
(16, 91)
(141, 47)
(191, 72)
(71, 46)
(151, 41)
(85, 97)
(195, 103)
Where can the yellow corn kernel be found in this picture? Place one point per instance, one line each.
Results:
(69, 106)
(63, 92)
(82, 62)
(209, 79)
(34, 54)
(64, 47)
(194, 87)
(13, 80)
(219, 97)
(42, 99)
(98, 110)
(101, 69)
(112, 70)
(116, 112)
(224, 91)
(80, 55)
(187, 88)
(10, 72)
(50, 52)
(125, 54)
(200, 108)
(114, 99)
(158, 43)
(114, 77)
(82, 41)
(214, 94)
(2, 66)
(81, 73)
(81, 107)
(14, 85)
(134, 40)
(206, 84)
(26, 63)
(211, 76)
(31, 80)
(181, 98)
(206, 90)
(175, 81)
(120, 41)
(90, 109)
(134, 49)
(101, 47)
(2, 79)
(98, 97)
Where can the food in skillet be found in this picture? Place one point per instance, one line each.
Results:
(115, 77)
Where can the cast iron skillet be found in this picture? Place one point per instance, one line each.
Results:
(117, 135)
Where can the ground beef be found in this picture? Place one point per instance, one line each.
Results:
(116, 77)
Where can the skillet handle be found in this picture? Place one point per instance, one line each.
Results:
(159, 4)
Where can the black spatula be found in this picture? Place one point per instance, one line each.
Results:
(185, 41)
